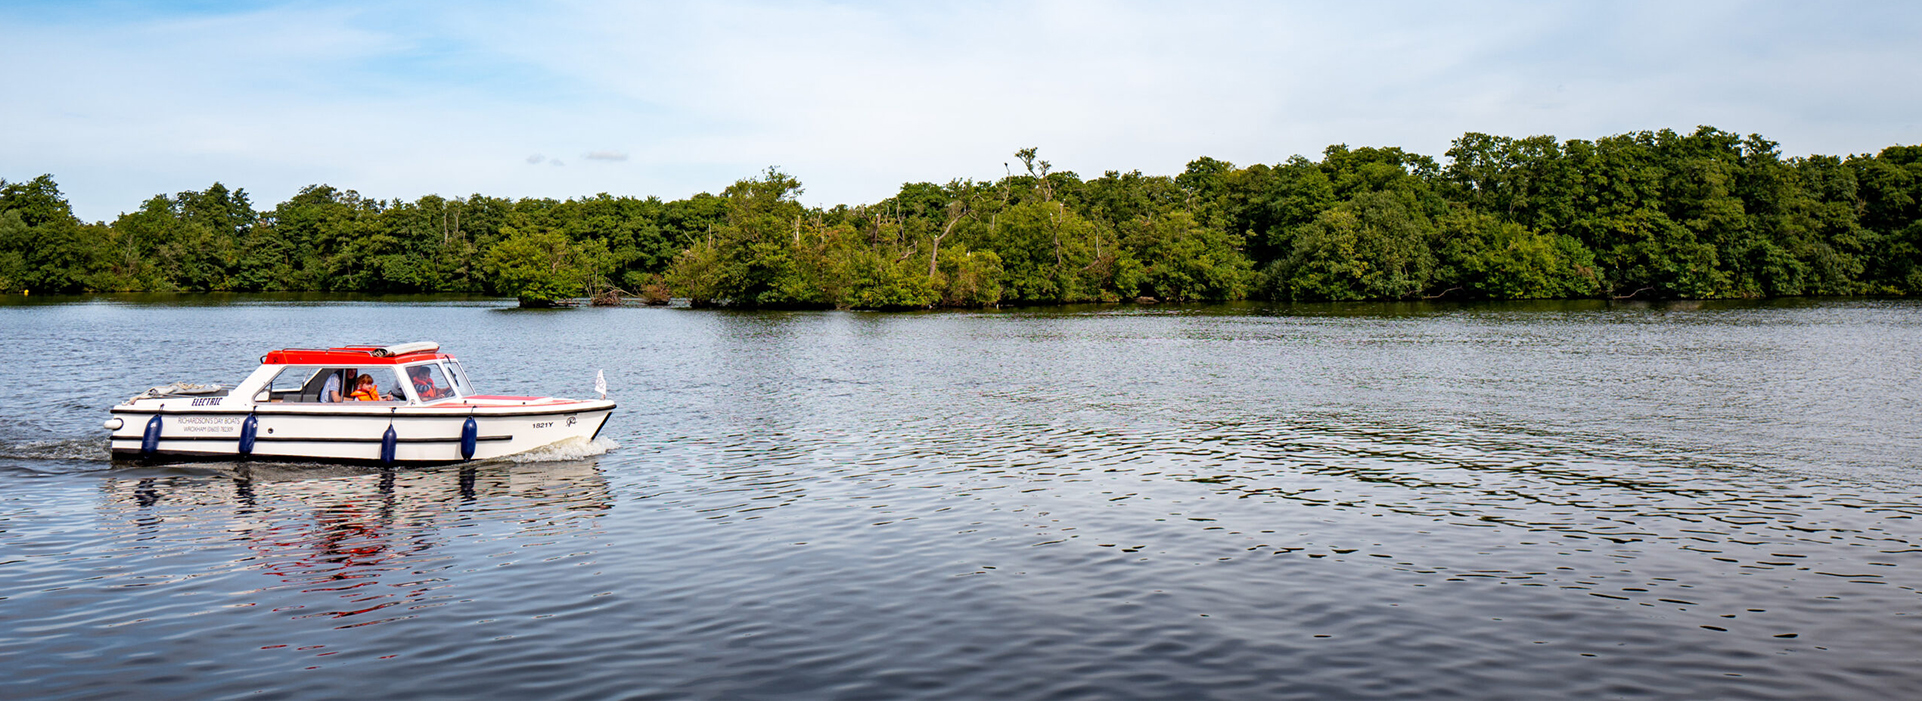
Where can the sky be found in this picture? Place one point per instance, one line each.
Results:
(122, 101)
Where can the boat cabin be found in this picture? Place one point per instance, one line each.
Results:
(409, 373)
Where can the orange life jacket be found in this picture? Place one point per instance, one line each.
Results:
(365, 394)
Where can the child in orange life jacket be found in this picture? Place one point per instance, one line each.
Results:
(366, 392)
(424, 384)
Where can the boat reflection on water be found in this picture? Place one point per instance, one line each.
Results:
(368, 537)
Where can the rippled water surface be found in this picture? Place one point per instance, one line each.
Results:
(1524, 501)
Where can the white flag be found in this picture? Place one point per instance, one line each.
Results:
(600, 383)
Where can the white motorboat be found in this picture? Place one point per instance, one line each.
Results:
(415, 406)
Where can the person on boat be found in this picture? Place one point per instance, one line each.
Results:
(424, 384)
(339, 385)
(366, 392)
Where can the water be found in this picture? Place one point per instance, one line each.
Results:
(1365, 501)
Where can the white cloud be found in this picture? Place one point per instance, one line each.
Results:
(856, 99)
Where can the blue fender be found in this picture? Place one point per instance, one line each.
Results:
(150, 440)
(248, 430)
(388, 442)
(469, 437)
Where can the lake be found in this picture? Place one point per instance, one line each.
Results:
(1525, 500)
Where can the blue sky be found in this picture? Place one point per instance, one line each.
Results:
(122, 101)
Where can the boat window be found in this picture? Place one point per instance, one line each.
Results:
(459, 375)
(387, 382)
(310, 384)
(287, 385)
(429, 383)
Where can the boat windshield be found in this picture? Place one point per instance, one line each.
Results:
(459, 375)
(430, 383)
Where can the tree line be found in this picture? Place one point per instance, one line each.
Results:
(1645, 215)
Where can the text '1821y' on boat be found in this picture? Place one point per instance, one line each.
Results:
(399, 404)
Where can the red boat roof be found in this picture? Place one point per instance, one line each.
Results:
(350, 356)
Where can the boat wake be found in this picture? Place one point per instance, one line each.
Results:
(88, 449)
(563, 451)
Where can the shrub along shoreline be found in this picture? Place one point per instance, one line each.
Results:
(1644, 215)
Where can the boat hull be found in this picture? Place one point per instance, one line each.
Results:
(354, 433)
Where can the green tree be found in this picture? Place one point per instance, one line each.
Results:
(968, 278)
(15, 236)
(49, 249)
(756, 256)
(1374, 246)
(1174, 257)
(540, 266)
(1485, 257)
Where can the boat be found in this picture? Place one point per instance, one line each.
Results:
(420, 410)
